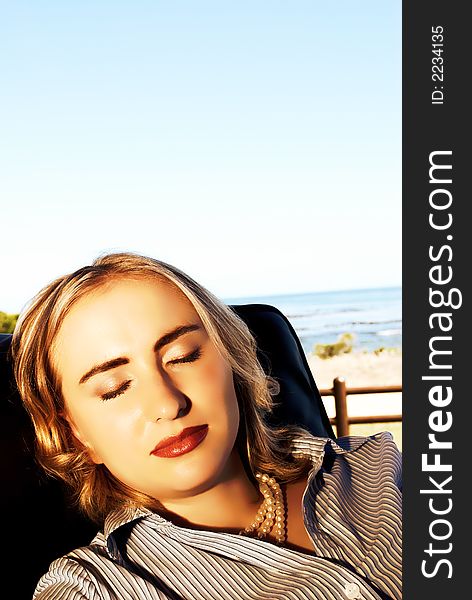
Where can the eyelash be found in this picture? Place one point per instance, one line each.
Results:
(187, 359)
(122, 389)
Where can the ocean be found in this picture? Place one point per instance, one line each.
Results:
(374, 316)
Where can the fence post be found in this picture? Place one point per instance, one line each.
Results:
(340, 402)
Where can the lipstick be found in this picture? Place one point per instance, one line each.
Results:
(188, 439)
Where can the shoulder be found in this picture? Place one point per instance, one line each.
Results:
(359, 482)
(370, 463)
(72, 576)
(376, 456)
(353, 507)
(66, 578)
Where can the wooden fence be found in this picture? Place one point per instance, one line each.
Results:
(342, 420)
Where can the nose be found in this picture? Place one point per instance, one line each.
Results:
(162, 399)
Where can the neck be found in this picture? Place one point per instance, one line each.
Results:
(229, 505)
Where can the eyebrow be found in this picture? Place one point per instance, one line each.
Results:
(167, 338)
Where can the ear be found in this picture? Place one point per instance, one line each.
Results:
(80, 439)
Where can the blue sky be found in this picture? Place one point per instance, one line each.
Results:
(255, 145)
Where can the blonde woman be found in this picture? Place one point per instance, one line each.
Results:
(147, 398)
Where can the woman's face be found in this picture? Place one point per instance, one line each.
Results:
(137, 366)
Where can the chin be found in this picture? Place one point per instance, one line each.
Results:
(198, 474)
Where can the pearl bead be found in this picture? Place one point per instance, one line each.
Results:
(271, 513)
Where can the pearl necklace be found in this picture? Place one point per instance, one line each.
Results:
(271, 513)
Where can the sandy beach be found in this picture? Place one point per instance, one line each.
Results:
(364, 369)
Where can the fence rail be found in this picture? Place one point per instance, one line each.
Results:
(342, 420)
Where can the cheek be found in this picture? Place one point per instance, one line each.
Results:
(213, 391)
(102, 429)
(226, 394)
(218, 376)
(231, 399)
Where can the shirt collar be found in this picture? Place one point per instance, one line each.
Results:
(123, 515)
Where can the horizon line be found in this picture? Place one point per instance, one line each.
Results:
(330, 291)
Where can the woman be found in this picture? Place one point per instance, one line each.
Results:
(147, 398)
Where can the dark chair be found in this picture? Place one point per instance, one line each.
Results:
(39, 526)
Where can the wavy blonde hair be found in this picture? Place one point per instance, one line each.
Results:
(94, 488)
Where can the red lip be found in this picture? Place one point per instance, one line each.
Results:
(176, 445)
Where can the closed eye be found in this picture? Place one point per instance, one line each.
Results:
(120, 390)
(195, 355)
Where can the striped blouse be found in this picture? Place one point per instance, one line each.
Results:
(352, 512)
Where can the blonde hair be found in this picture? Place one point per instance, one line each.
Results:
(94, 488)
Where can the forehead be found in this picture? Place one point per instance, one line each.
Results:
(134, 296)
(118, 317)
